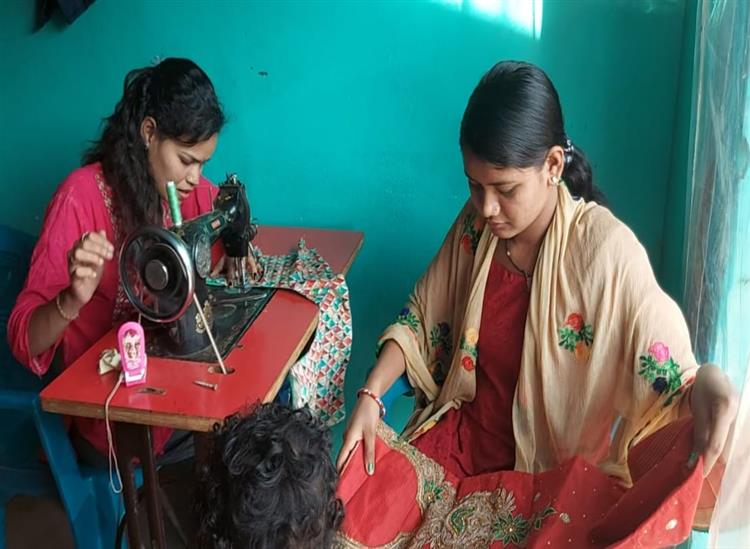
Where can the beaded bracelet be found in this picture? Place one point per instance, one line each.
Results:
(62, 312)
(376, 398)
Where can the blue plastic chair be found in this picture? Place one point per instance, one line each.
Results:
(400, 387)
(92, 509)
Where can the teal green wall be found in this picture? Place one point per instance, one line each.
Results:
(672, 266)
(355, 125)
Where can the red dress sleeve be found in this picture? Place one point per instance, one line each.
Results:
(201, 200)
(47, 276)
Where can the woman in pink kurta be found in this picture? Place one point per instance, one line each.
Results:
(164, 128)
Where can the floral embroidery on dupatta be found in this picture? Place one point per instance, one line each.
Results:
(409, 319)
(442, 351)
(576, 336)
(661, 371)
(470, 233)
(468, 348)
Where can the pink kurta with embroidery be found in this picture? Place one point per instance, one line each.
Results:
(83, 202)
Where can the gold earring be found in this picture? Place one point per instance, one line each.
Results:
(555, 181)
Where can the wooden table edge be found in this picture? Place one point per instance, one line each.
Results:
(128, 415)
(354, 253)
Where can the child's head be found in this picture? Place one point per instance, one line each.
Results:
(269, 483)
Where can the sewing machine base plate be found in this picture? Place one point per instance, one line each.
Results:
(233, 312)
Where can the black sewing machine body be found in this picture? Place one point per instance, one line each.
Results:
(229, 314)
(165, 271)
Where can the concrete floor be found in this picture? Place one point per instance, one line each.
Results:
(41, 523)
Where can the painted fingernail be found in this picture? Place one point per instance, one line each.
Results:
(692, 459)
(370, 468)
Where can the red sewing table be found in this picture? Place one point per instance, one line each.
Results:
(260, 360)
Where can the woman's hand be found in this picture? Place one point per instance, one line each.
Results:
(714, 408)
(227, 266)
(363, 424)
(362, 427)
(86, 261)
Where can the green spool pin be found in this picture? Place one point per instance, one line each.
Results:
(174, 204)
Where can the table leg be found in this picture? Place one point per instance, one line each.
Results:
(203, 444)
(133, 442)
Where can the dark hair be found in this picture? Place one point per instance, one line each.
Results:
(182, 100)
(514, 117)
(269, 483)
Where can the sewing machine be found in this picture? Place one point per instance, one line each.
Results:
(165, 275)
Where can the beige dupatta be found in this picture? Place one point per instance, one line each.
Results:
(603, 344)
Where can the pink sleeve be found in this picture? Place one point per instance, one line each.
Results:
(204, 198)
(213, 190)
(48, 273)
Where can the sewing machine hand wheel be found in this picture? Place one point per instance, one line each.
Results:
(156, 273)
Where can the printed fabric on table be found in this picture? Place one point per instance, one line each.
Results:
(318, 377)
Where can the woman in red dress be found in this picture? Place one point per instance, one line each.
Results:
(558, 399)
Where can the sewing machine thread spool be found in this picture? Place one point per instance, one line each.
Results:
(174, 204)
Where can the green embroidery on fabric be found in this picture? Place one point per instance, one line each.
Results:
(576, 336)
(440, 338)
(468, 346)
(661, 371)
(433, 491)
(510, 528)
(458, 519)
(575, 330)
(587, 334)
(568, 338)
(470, 235)
(442, 351)
(407, 318)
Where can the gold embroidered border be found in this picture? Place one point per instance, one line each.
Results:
(122, 308)
(476, 520)
(342, 541)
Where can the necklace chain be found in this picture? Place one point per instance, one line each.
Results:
(524, 272)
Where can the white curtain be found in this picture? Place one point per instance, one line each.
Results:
(717, 299)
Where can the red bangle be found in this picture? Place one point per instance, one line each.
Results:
(376, 398)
